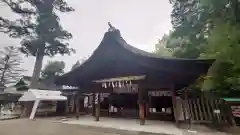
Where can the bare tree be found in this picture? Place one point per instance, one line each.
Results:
(10, 60)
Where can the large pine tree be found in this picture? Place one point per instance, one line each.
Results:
(39, 28)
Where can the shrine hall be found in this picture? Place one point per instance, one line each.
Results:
(119, 80)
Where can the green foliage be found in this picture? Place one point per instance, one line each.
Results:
(171, 46)
(161, 47)
(53, 69)
(211, 29)
(224, 46)
(189, 23)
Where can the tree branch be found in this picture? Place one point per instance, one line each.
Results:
(13, 28)
(62, 6)
(16, 7)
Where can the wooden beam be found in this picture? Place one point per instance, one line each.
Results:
(174, 103)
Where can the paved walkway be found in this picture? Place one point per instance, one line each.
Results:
(155, 127)
(51, 127)
(55, 127)
(128, 124)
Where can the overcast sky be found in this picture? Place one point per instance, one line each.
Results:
(141, 22)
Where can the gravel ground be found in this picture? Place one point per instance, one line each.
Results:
(47, 127)
(53, 127)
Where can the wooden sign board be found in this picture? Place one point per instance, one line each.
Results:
(236, 111)
(159, 93)
(126, 89)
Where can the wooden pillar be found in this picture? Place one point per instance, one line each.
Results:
(77, 103)
(146, 109)
(93, 104)
(72, 103)
(184, 110)
(174, 103)
(147, 103)
(86, 110)
(187, 108)
(150, 104)
(141, 103)
(184, 105)
(66, 107)
(97, 105)
(141, 114)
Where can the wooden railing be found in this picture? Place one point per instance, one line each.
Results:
(209, 110)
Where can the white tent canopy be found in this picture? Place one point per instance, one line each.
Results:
(41, 95)
(35, 94)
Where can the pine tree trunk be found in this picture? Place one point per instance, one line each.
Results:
(34, 80)
(37, 68)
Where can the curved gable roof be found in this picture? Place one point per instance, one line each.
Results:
(114, 57)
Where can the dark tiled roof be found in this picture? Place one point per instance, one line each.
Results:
(115, 57)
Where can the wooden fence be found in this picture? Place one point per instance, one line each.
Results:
(209, 110)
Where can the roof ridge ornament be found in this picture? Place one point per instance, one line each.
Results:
(111, 28)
